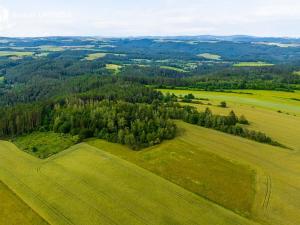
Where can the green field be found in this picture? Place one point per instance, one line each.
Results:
(297, 73)
(1, 80)
(210, 56)
(113, 67)
(95, 56)
(86, 185)
(211, 164)
(173, 68)
(14, 211)
(252, 64)
(49, 48)
(15, 54)
(45, 144)
(261, 109)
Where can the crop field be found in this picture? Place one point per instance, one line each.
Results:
(15, 54)
(173, 68)
(49, 48)
(86, 185)
(113, 67)
(210, 56)
(252, 64)
(260, 108)
(95, 56)
(14, 211)
(203, 160)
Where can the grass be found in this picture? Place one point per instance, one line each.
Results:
(1, 80)
(297, 73)
(260, 108)
(95, 56)
(210, 56)
(173, 68)
(86, 185)
(211, 164)
(49, 48)
(113, 67)
(252, 64)
(14, 211)
(45, 144)
(15, 54)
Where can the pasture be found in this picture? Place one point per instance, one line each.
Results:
(252, 64)
(14, 211)
(86, 185)
(203, 160)
(95, 56)
(114, 68)
(260, 108)
(15, 54)
(45, 144)
(210, 56)
(173, 68)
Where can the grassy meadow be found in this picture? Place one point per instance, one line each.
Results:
(210, 56)
(261, 108)
(95, 56)
(173, 68)
(86, 185)
(13, 211)
(15, 54)
(45, 144)
(252, 64)
(113, 67)
(1, 80)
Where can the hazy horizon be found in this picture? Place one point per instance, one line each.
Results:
(132, 18)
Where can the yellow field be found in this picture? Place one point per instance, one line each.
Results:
(197, 160)
(260, 109)
(85, 185)
(252, 64)
(95, 56)
(15, 54)
(113, 67)
(13, 211)
(210, 56)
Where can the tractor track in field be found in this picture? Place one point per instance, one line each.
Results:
(268, 193)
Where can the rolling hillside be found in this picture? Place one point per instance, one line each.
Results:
(85, 185)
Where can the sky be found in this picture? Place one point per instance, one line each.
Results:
(19, 18)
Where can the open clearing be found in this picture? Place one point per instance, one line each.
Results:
(173, 68)
(210, 56)
(261, 109)
(1, 80)
(85, 185)
(45, 144)
(297, 73)
(13, 211)
(113, 67)
(15, 54)
(188, 161)
(252, 64)
(95, 56)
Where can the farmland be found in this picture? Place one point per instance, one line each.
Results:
(95, 56)
(173, 68)
(201, 160)
(15, 54)
(81, 177)
(14, 211)
(113, 67)
(252, 64)
(210, 56)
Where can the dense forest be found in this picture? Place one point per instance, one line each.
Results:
(56, 87)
